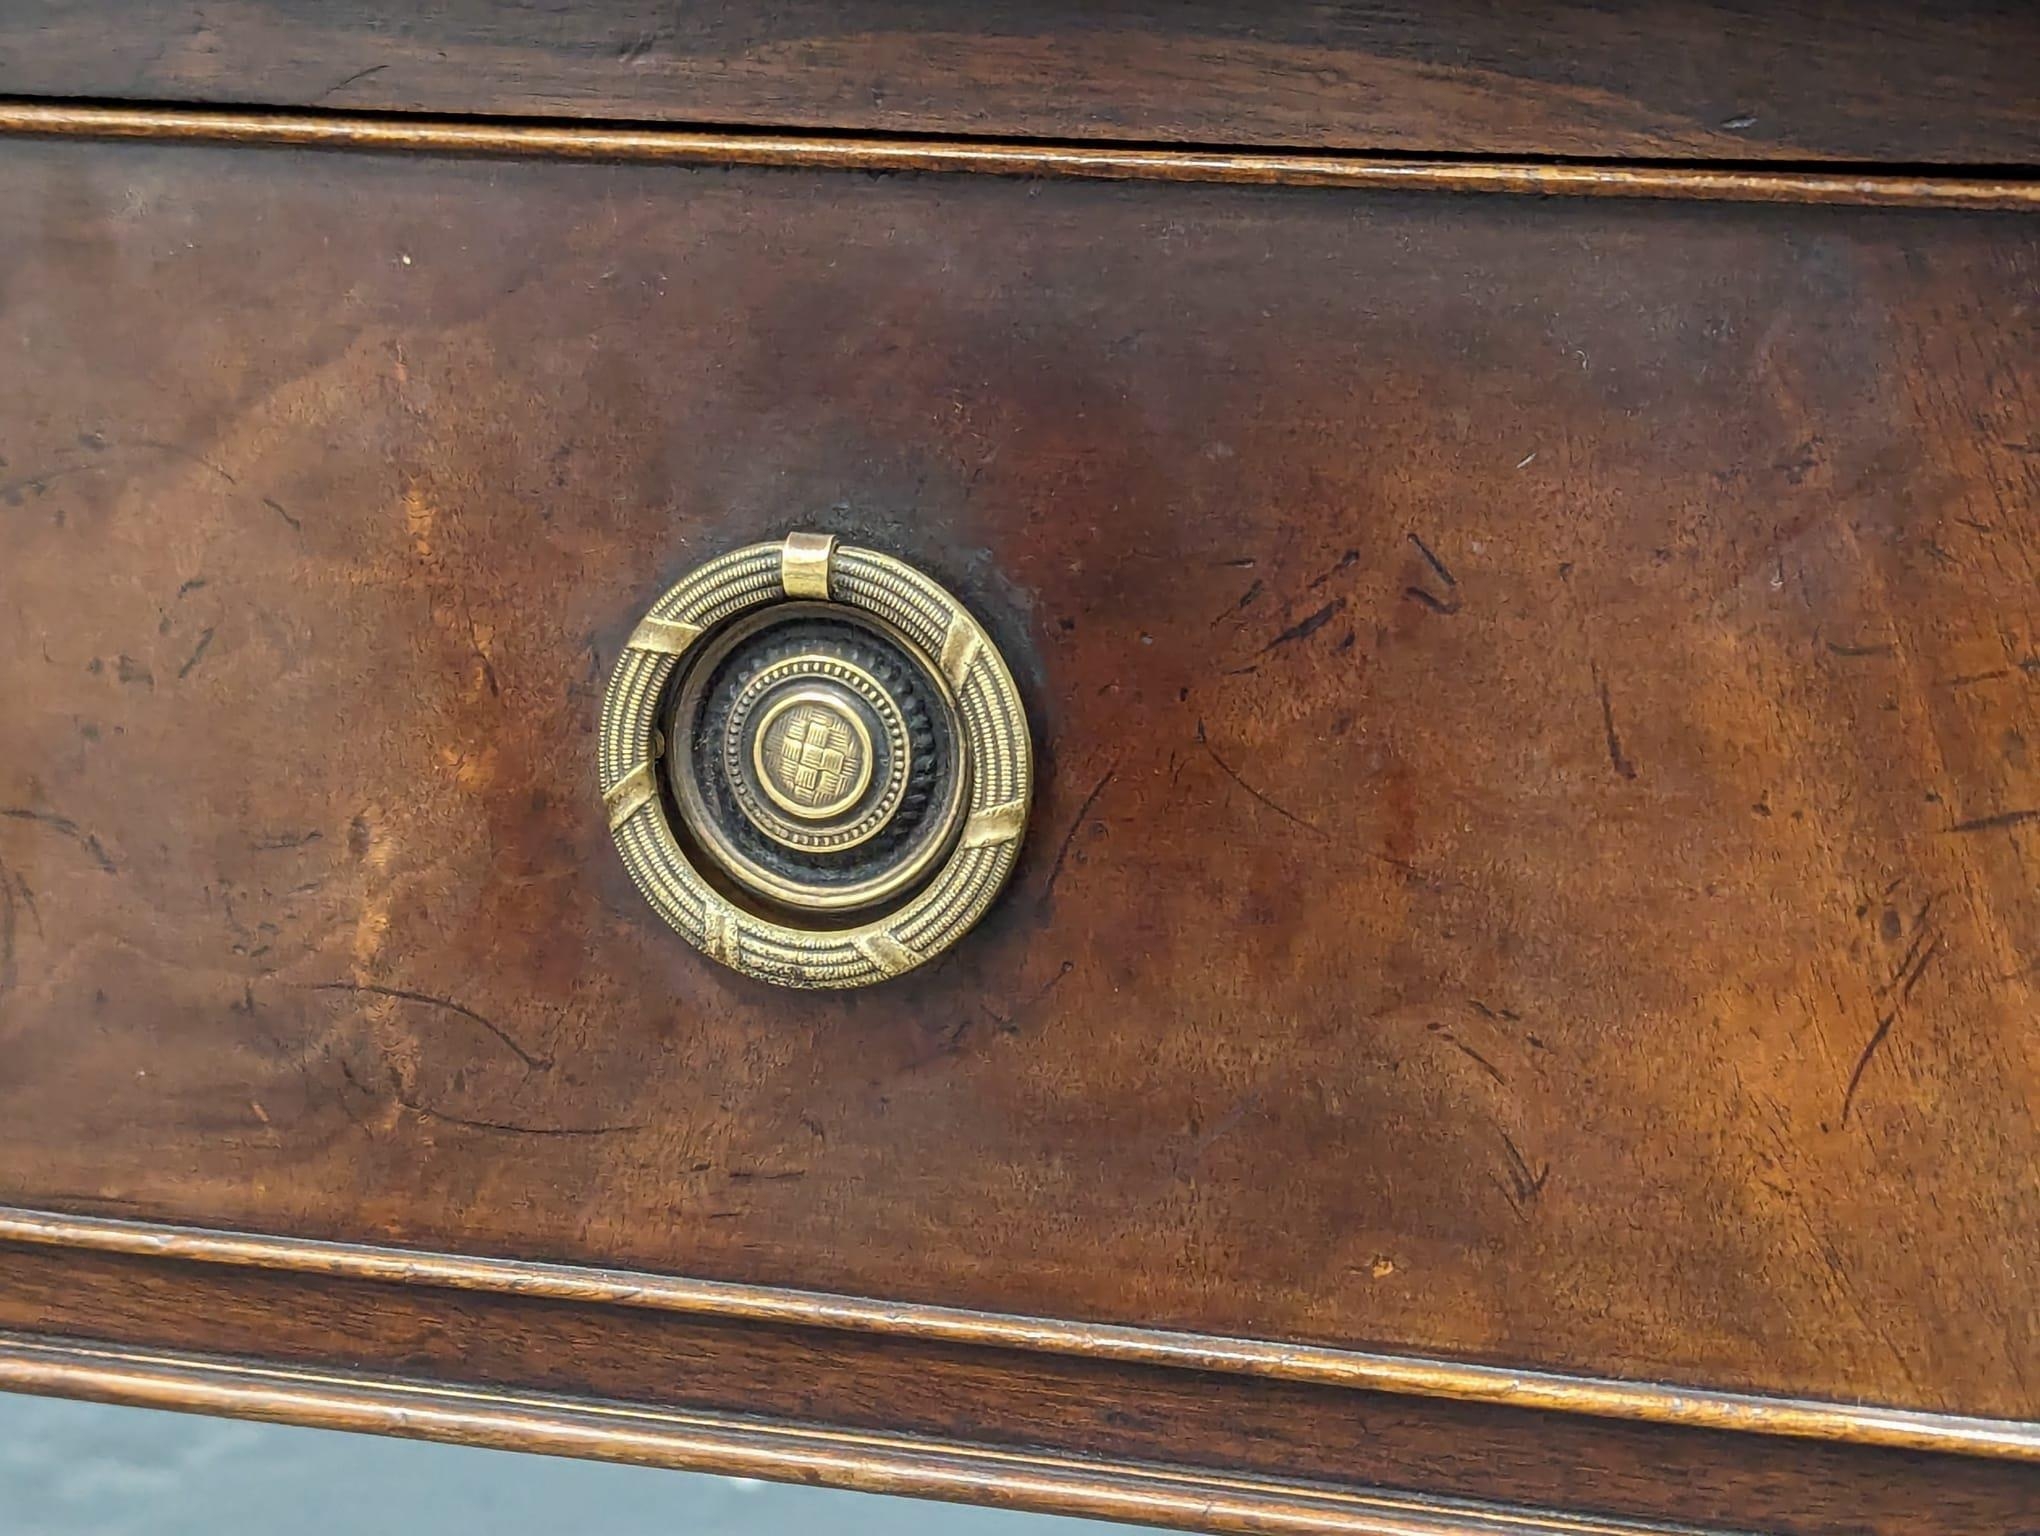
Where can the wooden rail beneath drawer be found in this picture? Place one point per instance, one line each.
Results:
(872, 1463)
(672, 146)
(1541, 1390)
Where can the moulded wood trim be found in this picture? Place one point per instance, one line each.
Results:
(872, 1463)
(671, 146)
(1411, 1376)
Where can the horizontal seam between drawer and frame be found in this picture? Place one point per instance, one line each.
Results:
(1599, 1397)
(1097, 162)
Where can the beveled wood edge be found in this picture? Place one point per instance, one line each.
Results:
(676, 146)
(1186, 1498)
(1598, 1397)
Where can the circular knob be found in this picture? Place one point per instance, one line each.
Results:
(815, 763)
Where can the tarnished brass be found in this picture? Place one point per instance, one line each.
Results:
(812, 753)
(847, 760)
(804, 565)
(808, 807)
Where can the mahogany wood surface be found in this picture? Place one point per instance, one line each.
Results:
(1682, 79)
(1534, 852)
(1291, 1433)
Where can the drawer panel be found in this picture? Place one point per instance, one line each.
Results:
(1680, 79)
(1533, 853)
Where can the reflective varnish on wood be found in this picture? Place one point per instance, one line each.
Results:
(1532, 851)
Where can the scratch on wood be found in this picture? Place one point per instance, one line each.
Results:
(1345, 562)
(178, 452)
(67, 828)
(508, 1127)
(426, 1111)
(1433, 561)
(1522, 1186)
(1993, 823)
(28, 905)
(1010, 1023)
(197, 654)
(284, 840)
(1246, 601)
(1435, 604)
(1485, 1065)
(359, 75)
(405, 995)
(1869, 1050)
(1232, 773)
(1448, 604)
(40, 481)
(1905, 981)
(1304, 628)
(7, 922)
(1069, 841)
(1616, 755)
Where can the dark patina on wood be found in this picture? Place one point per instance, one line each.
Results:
(1880, 81)
(1005, 1403)
(1533, 849)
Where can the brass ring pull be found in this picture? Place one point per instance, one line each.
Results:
(815, 763)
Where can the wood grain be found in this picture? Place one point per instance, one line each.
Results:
(891, 1464)
(724, 1302)
(967, 1396)
(1533, 861)
(1679, 79)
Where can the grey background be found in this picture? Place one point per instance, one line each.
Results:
(80, 1469)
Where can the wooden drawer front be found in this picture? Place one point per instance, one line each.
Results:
(1532, 861)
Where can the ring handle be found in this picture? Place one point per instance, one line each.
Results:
(815, 763)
